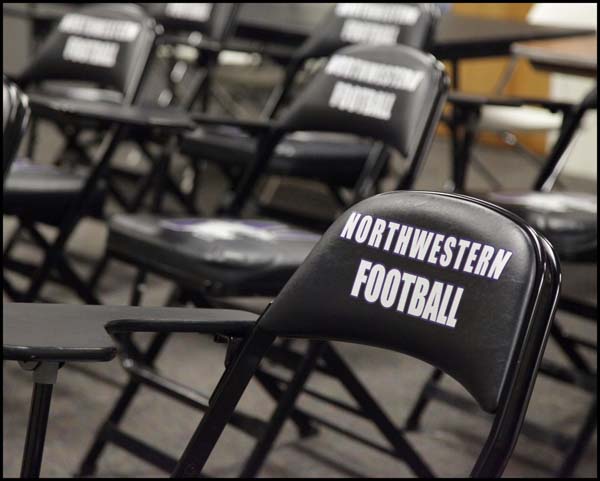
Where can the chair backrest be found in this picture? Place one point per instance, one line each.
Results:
(15, 116)
(448, 279)
(107, 45)
(391, 94)
(188, 17)
(411, 24)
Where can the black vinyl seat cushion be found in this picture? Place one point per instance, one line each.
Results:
(225, 256)
(75, 91)
(43, 193)
(566, 219)
(331, 158)
(70, 91)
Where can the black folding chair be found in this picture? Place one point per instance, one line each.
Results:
(335, 161)
(569, 221)
(209, 259)
(359, 285)
(106, 46)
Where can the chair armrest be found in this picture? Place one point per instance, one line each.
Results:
(171, 119)
(467, 100)
(54, 332)
(69, 332)
(277, 53)
(252, 126)
(228, 322)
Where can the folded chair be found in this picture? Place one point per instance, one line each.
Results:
(107, 47)
(209, 259)
(332, 160)
(569, 221)
(487, 330)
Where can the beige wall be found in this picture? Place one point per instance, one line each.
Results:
(482, 75)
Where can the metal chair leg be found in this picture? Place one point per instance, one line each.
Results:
(414, 418)
(88, 465)
(574, 455)
(282, 411)
(36, 430)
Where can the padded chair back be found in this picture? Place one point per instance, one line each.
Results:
(15, 116)
(189, 17)
(388, 93)
(106, 44)
(391, 94)
(451, 280)
(409, 24)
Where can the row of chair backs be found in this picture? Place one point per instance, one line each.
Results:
(454, 281)
(15, 116)
(361, 24)
(108, 45)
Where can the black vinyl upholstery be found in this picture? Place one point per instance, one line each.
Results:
(567, 219)
(76, 91)
(492, 313)
(311, 155)
(262, 267)
(409, 79)
(43, 193)
(218, 254)
(106, 45)
(410, 24)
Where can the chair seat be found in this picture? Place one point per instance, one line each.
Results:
(68, 90)
(227, 256)
(566, 219)
(501, 118)
(43, 193)
(329, 158)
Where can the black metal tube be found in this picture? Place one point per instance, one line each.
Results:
(36, 430)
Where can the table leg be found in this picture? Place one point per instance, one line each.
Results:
(44, 377)
(36, 430)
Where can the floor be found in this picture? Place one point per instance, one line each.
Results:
(449, 438)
